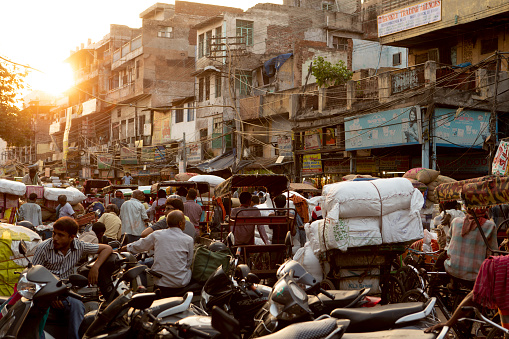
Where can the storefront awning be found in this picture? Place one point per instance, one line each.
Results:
(218, 163)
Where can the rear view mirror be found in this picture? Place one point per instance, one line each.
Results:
(132, 273)
(78, 280)
(252, 278)
(22, 248)
(142, 301)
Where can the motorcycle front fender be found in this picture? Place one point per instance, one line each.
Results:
(13, 321)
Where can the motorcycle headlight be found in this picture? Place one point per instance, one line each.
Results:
(28, 288)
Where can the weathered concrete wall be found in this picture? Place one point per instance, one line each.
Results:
(370, 54)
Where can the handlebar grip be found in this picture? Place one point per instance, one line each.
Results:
(258, 293)
(154, 273)
(327, 294)
(74, 295)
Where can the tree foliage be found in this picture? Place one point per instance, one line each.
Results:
(327, 74)
(16, 124)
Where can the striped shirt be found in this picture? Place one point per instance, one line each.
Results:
(56, 262)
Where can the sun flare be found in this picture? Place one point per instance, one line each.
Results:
(55, 80)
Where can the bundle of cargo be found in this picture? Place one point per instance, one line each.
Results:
(426, 180)
(74, 196)
(12, 187)
(364, 213)
(10, 191)
(12, 260)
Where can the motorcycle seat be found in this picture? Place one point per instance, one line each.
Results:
(308, 329)
(391, 334)
(376, 318)
(163, 304)
(341, 298)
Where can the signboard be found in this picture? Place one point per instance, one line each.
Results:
(500, 162)
(366, 166)
(455, 128)
(410, 17)
(65, 148)
(147, 154)
(312, 164)
(284, 145)
(394, 163)
(193, 153)
(161, 133)
(159, 153)
(128, 156)
(313, 139)
(336, 166)
(384, 129)
(104, 161)
(472, 163)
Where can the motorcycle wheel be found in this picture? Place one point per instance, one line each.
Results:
(414, 295)
(326, 284)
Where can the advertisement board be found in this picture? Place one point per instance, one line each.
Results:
(499, 166)
(461, 128)
(410, 17)
(104, 161)
(395, 127)
(147, 154)
(284, 145)
(313, 139)
(312, 164)
(128, 156)
(161, 132)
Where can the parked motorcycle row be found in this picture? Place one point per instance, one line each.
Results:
(233, 304)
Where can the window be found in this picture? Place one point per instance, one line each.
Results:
(208, 41)
(200, 89)
(207, 87)
(327, 6)
(190, 112)
(113, 81)
(201, 47)
(137, 69)
(396, 59)
(179, 114)
(243, 82)
(489, 45)
(119, 113)
(165, 32)
(245, 30)
(141, 124)
(341, 44)
(217, 41)
(217, 80)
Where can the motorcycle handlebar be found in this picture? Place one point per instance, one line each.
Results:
(327, 294)
(258, 293)
(74, 295)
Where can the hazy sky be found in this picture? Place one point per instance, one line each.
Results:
(42, 33)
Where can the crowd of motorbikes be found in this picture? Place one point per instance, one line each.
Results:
(233, 304)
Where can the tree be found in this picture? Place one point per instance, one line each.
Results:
(327, 74)
(16, 125)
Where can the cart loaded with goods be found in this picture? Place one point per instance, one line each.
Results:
(366, 226)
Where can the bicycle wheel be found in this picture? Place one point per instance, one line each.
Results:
(495, 333)
(414, 295)
(395, 290)
(408, 277)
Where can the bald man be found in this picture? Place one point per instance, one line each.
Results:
(173, 254)
(134, 216)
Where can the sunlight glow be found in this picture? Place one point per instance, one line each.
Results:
(55, 80)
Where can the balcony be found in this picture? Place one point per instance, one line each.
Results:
(56, 127)
(86, 73)
(129, 51)
(90, 107)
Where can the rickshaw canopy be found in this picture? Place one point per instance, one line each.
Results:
(274, 183)
(301, 187)
(452, 191)
(491, 191)
(95, 183)
(113, 188)
(202, 187)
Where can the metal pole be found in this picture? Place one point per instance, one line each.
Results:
(184, 154)
(493, 118)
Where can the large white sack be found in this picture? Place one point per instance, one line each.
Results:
(78, 195)
(12, 187)
(213, 180)
(402, 226)
(309, 261)
(353, 199)
(351, 232)
(73, 195)
(312, 235)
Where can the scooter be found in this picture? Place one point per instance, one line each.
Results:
(38, 287)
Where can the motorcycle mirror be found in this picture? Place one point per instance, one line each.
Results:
(142, 301)
(228, 326)
(133, 272)
(22, 248)
(230, 240)
(252, 278)
(78, 280)
(242, 271)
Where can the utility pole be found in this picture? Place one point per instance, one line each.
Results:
(184, 151)
(493, 117)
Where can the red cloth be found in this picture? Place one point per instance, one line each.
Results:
(469, 224)
(490, 289)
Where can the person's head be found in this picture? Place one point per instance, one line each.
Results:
(119, 194)
(128, 174)
(32, 172)
(191, 194)
(161, 194)
(62, 199)
(64, 231)
(245, 198)
(32, 197)
(112, 208)
(173, 204)
(450, 205)
(182, 191)
(99, 228)
(412, 116)
(255, 200)
(176, 219)
(280, 201)
(137, 194)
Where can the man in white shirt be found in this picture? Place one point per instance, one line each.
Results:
(31, 178)
(64, 209)
(30, 211)
(173, 254)
(127, 179)
(134, 216)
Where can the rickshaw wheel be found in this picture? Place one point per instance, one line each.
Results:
(327, 284)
